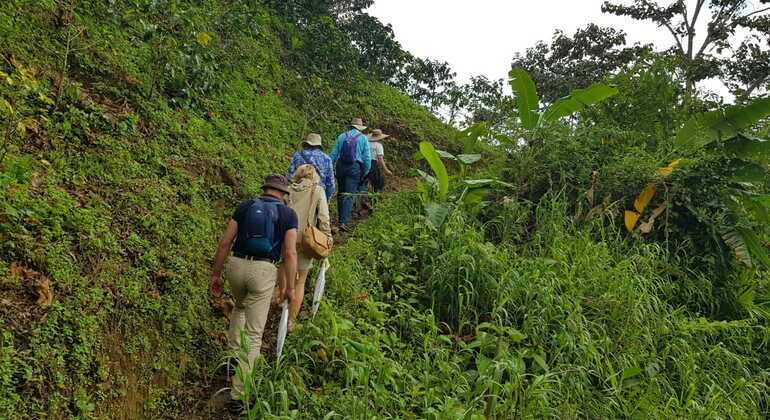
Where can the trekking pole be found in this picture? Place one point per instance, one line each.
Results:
(320, 283)
(283, 328)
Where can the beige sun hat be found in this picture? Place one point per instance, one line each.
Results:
(378, 135)
(358, 124)
(312, 139)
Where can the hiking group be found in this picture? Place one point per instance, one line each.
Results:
(268, 247)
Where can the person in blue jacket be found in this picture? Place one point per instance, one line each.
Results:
(352, 161)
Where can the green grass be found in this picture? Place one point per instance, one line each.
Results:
(561, 326)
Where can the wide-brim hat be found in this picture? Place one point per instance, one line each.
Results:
(358, 124)
(277, 182)
(312, 139)
(377, 135)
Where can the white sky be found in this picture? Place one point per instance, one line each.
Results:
(480, 37)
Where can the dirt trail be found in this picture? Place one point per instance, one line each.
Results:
(212, 402)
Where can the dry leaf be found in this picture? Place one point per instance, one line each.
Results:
(44, 293)
(17, 270)
(594, 186)
(644, 198)
(218, 336)
(37, 180)
(226, 305)
(227, 308)
(647, 226)
(593, 212)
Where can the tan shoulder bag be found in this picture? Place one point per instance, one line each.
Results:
(315, 243)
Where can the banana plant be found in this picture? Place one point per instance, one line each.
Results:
(747, 163)
(435, 189)
(529, 105)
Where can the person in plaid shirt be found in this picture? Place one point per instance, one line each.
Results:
(313, 154)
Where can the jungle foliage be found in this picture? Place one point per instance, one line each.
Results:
(128, 132)
(508, 284)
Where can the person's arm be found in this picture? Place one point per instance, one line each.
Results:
(290, 262)
(365, 154)
(219, 259)
(293, 166)
(329, 183)
(336, 150)
(381, 160)
(324, 220)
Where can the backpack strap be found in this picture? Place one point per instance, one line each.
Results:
(312, 219)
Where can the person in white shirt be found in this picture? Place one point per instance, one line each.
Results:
(376, 176)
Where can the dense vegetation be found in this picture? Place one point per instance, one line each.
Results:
(601, 255)
(129, 132)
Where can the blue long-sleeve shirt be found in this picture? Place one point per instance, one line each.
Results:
(322, 164)
(362, 149)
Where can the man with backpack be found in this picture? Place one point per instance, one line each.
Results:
(261, 232)
(313, 154)
(352, 161)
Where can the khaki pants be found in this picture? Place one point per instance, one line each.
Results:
(252, 284)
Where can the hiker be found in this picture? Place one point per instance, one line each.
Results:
(376, 177)
(263, 231)
(309, 202)
(352, 162)
(312, 153)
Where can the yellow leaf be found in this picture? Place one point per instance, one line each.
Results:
(203, 38)
(21, 128)
(631, 217)
(668, 170)
(644, 198)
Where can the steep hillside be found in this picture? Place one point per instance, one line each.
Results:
(130, 129)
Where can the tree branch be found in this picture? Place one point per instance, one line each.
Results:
(721, 19)
(756, 12)
(676, 37)
(698, 8)
(669, 27)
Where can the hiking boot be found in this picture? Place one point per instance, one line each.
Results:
(346, 228)
(235, 407)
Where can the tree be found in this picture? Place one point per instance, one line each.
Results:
(698, 62)
(486, 101)
(381, 56)
(428, 82)
(749, 71)
(589, 56)
(304, 11)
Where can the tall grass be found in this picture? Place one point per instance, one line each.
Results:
(577, 321)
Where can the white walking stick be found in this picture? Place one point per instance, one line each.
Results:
(320, 282)
(283, 327)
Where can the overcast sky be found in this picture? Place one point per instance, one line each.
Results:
(480, 37)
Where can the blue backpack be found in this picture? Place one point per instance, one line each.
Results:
(349, 147)
(259, 229)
